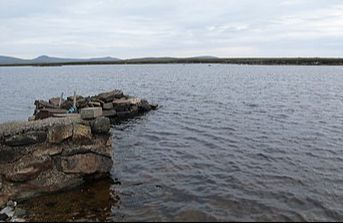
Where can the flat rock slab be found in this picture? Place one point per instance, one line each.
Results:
(26, 139)
(14, 128)
(91, 113)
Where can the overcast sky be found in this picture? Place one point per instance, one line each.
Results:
(142, 28)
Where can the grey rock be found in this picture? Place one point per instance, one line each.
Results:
(110, 96)
(101, 125)
(108, 106)
(91, 113)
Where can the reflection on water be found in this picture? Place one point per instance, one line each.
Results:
(92, 202)
(230, 143)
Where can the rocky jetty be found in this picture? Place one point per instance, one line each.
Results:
(66, 143)
(114, 105)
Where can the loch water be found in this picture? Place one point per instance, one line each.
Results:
(228, 143)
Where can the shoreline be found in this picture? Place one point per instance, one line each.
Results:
(234, 61)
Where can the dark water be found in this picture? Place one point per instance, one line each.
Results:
(229, 143)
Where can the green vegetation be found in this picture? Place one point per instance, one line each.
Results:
(169, 60)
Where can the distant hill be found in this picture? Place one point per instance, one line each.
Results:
(52, 60)
(55, 61)
(11, 60)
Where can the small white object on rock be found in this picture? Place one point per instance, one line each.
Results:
(91, 113)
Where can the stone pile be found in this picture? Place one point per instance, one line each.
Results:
(114, 105)
(52, 155)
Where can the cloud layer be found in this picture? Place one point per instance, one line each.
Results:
(135, 28)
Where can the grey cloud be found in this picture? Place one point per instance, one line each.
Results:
(135, 28)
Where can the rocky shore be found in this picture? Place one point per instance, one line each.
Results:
(58, 150)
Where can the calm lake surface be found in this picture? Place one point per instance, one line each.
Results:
(230, 142)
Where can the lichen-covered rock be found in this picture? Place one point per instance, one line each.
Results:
(82, 134)
(59, 133)
(101, 125)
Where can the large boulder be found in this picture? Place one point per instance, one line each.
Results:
(101, 125)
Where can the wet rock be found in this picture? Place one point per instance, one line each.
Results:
(123, 115)
(59, 133)
(110, 96)
(154, 106)
(86, 164)
(101, 125)
(144, 106)
(134, 110)
(82, 134)
(91, 113)
(26, 139)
